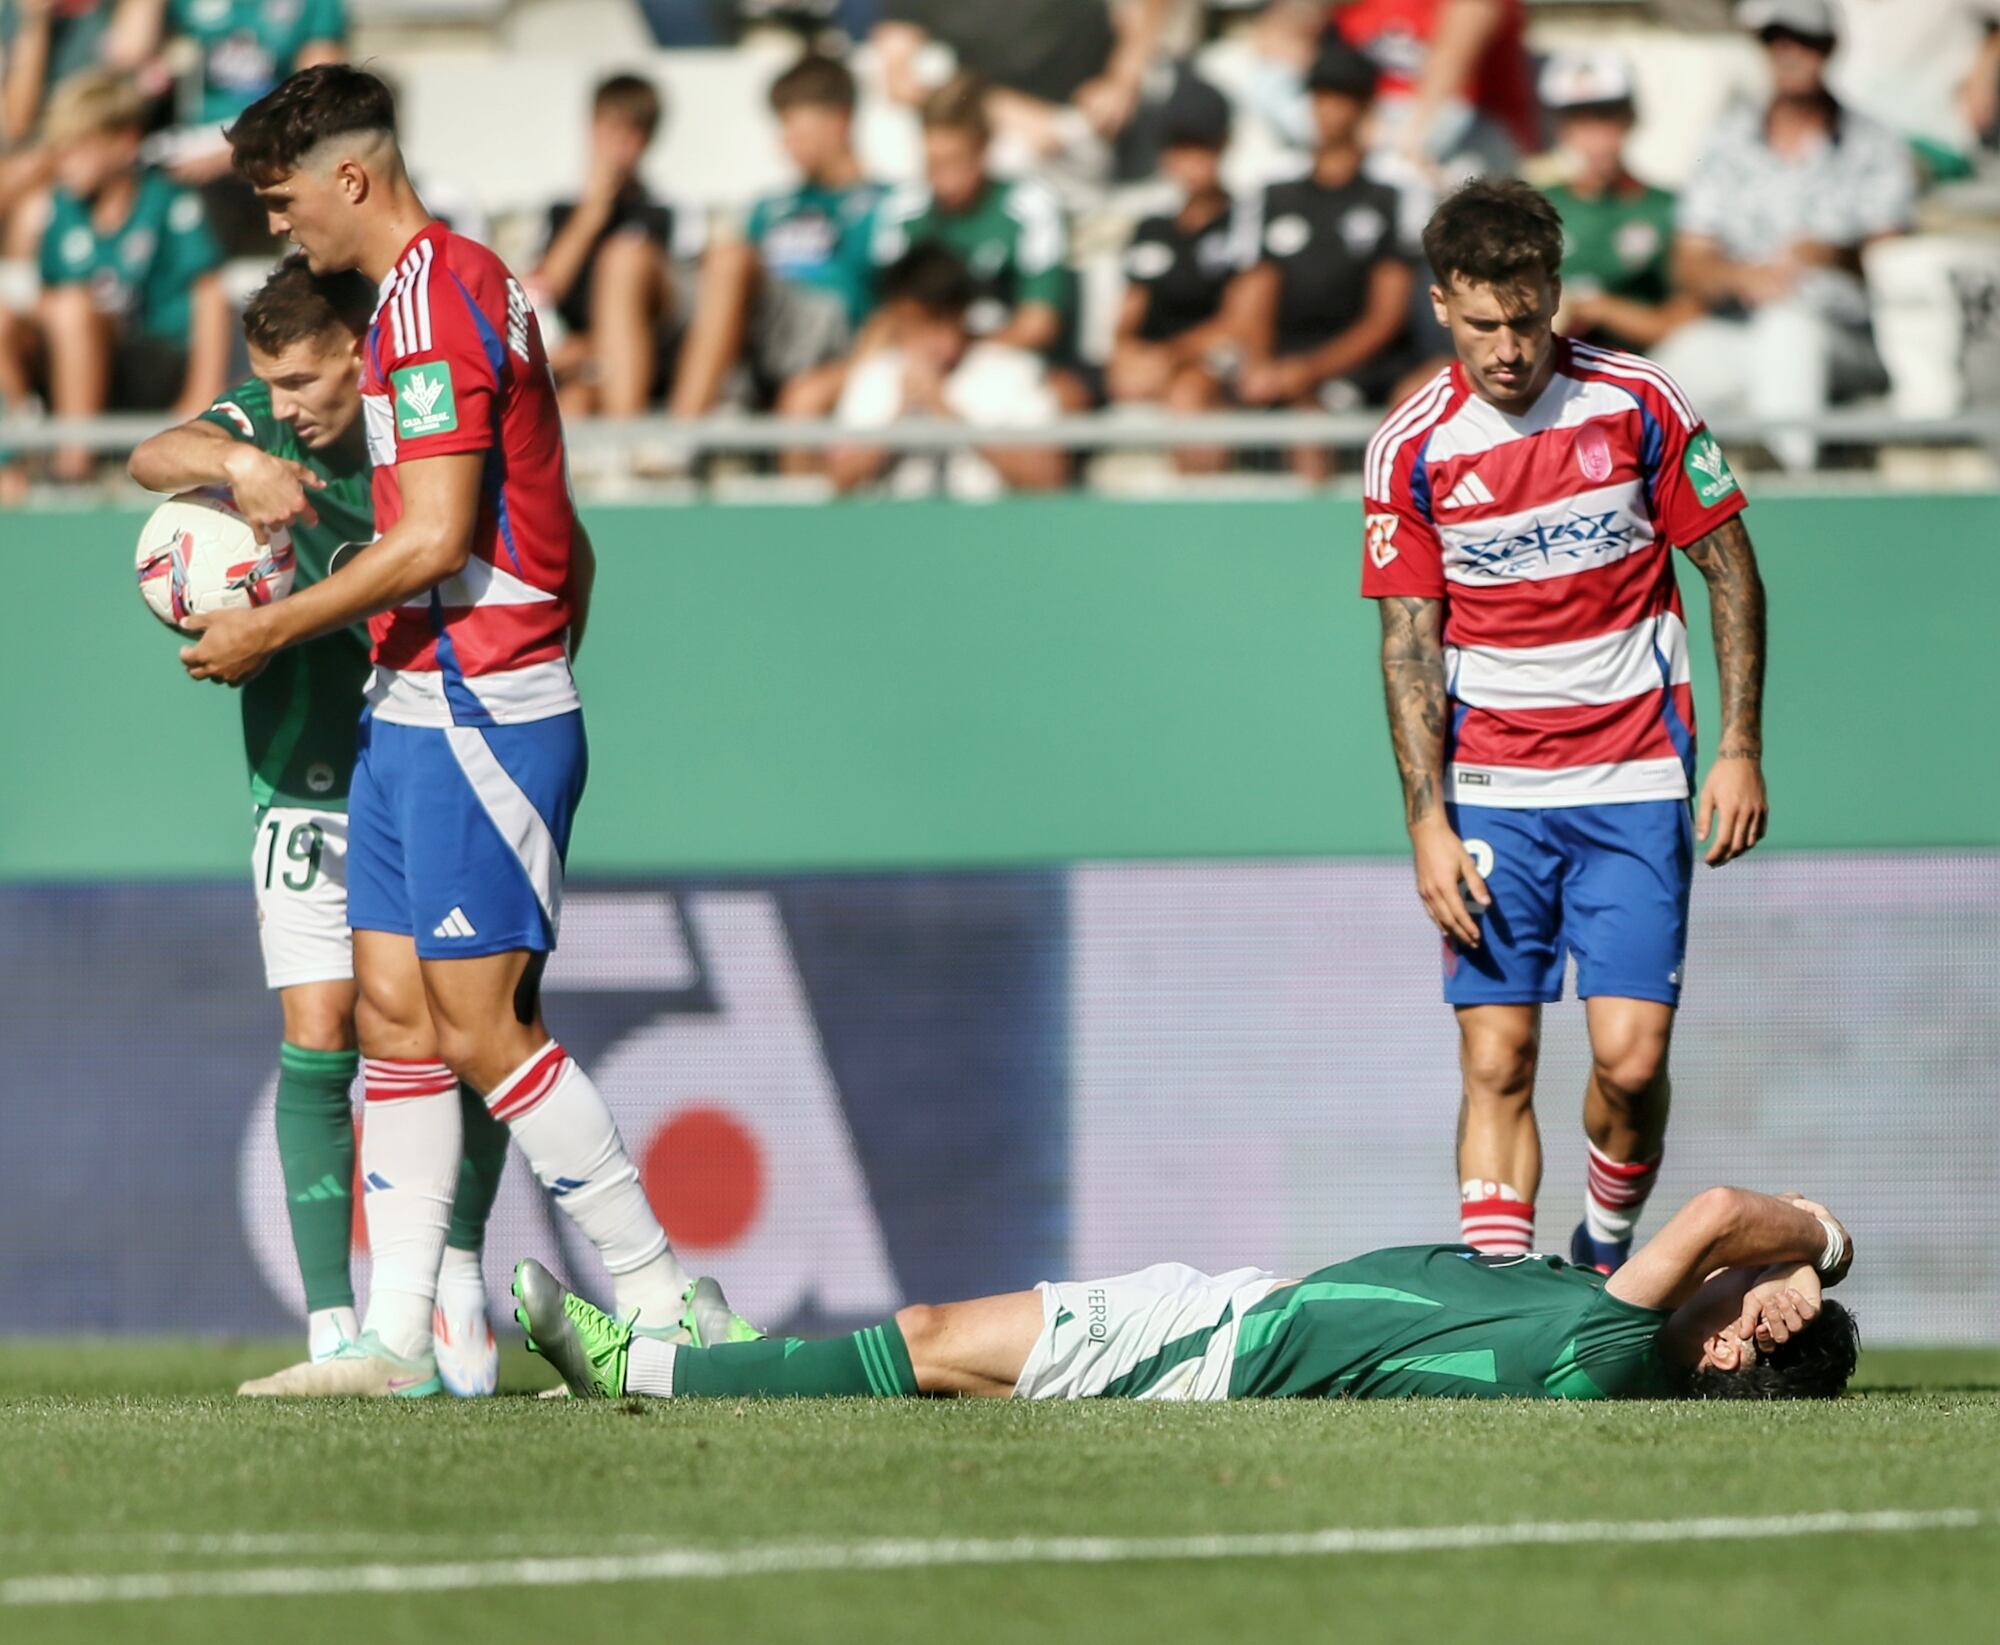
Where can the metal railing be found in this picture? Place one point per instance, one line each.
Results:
(1115, 430)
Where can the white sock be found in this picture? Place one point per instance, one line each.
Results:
(573, 1147)
(649, 1368)
(410, 1142)
(461, 1282)
(327, 1329)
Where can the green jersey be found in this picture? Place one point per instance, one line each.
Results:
(821, 237)
(300, 714)
(1619, 244)
(248, 46)
(1441, 1320)
(1012, 238)
(144, 269)
(76, 35)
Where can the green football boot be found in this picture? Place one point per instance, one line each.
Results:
(708, 1319)
(585, 1344)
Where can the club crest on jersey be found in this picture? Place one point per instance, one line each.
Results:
(1593, 454)
(424, 400)
(1380, 538)
(1708, 469)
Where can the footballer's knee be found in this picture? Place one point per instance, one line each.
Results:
(1631, 1068)
(320, 1016)
(1498, 1065)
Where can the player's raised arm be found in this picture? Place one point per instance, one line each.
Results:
(269, 491)
(431, 542)
(1733, 800)
(1731, 1228)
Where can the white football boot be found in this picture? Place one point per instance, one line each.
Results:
(468, 1359)
(361, 1369)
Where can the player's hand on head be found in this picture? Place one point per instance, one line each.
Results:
(1733, 808)
(1447, 879)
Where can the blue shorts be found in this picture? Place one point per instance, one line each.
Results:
(1607, 883)
(457, 834)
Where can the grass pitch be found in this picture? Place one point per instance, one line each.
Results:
(140, 1501)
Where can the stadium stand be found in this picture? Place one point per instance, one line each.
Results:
(490, 92)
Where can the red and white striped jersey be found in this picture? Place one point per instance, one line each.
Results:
(454, 363)
(1547, 537)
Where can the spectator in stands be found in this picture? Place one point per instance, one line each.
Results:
(606, 272)
(1324, 310)
(1064, 77)
(133, 316)
(1929, 70)
(42, 43)
(1770, 233)
(1011, 234)
(922, 360)
(1174, 339)
(1618, 233)
(788, 293)
(242, 48)
(1455, 90)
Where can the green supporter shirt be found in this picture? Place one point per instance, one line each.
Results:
(1620, 243)
(76, 35)
(248, 46)
(1438, 1320)
(142, 271)
(300, 714)
(1012, 238)
(821, 237)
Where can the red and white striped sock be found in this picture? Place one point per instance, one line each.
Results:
(1617, 1194)
(410, 1140)
(1492, 1217)
(572, 1144)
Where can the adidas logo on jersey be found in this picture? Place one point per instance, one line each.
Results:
(1469, 491)
(454, 924)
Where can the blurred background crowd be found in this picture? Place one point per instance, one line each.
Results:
(856, 215)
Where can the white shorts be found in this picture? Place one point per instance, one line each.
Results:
(1166, 1332)
(298, 862)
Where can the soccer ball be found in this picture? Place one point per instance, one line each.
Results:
(198, 554)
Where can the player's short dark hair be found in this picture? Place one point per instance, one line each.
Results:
(934, 279)
(958, 105)
(631, 98)
(288, 122)
(1815, 1364)
(814, 81)
(1494, 232)
(295, 304)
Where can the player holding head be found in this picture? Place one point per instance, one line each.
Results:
(471, 753)
(287, 445)
(1520, 509)
(1724, 1303)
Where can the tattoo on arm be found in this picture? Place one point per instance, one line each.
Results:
(1736, 604)
(1413, 683)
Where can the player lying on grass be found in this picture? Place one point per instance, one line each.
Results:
(1724, 1303)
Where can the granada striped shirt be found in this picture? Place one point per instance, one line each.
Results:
(454, 364)
(1546, 535)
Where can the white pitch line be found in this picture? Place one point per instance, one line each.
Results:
(779, 1559)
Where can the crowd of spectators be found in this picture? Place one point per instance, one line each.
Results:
(957, 295)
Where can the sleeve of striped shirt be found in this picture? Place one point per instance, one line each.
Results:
(442, 360)
(1401, 554)
(1694, 489)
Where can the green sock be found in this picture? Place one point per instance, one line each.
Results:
(874, 1361)
(479, 1172)
(316, 1150)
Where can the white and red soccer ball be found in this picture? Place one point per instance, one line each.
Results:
(197, 554)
